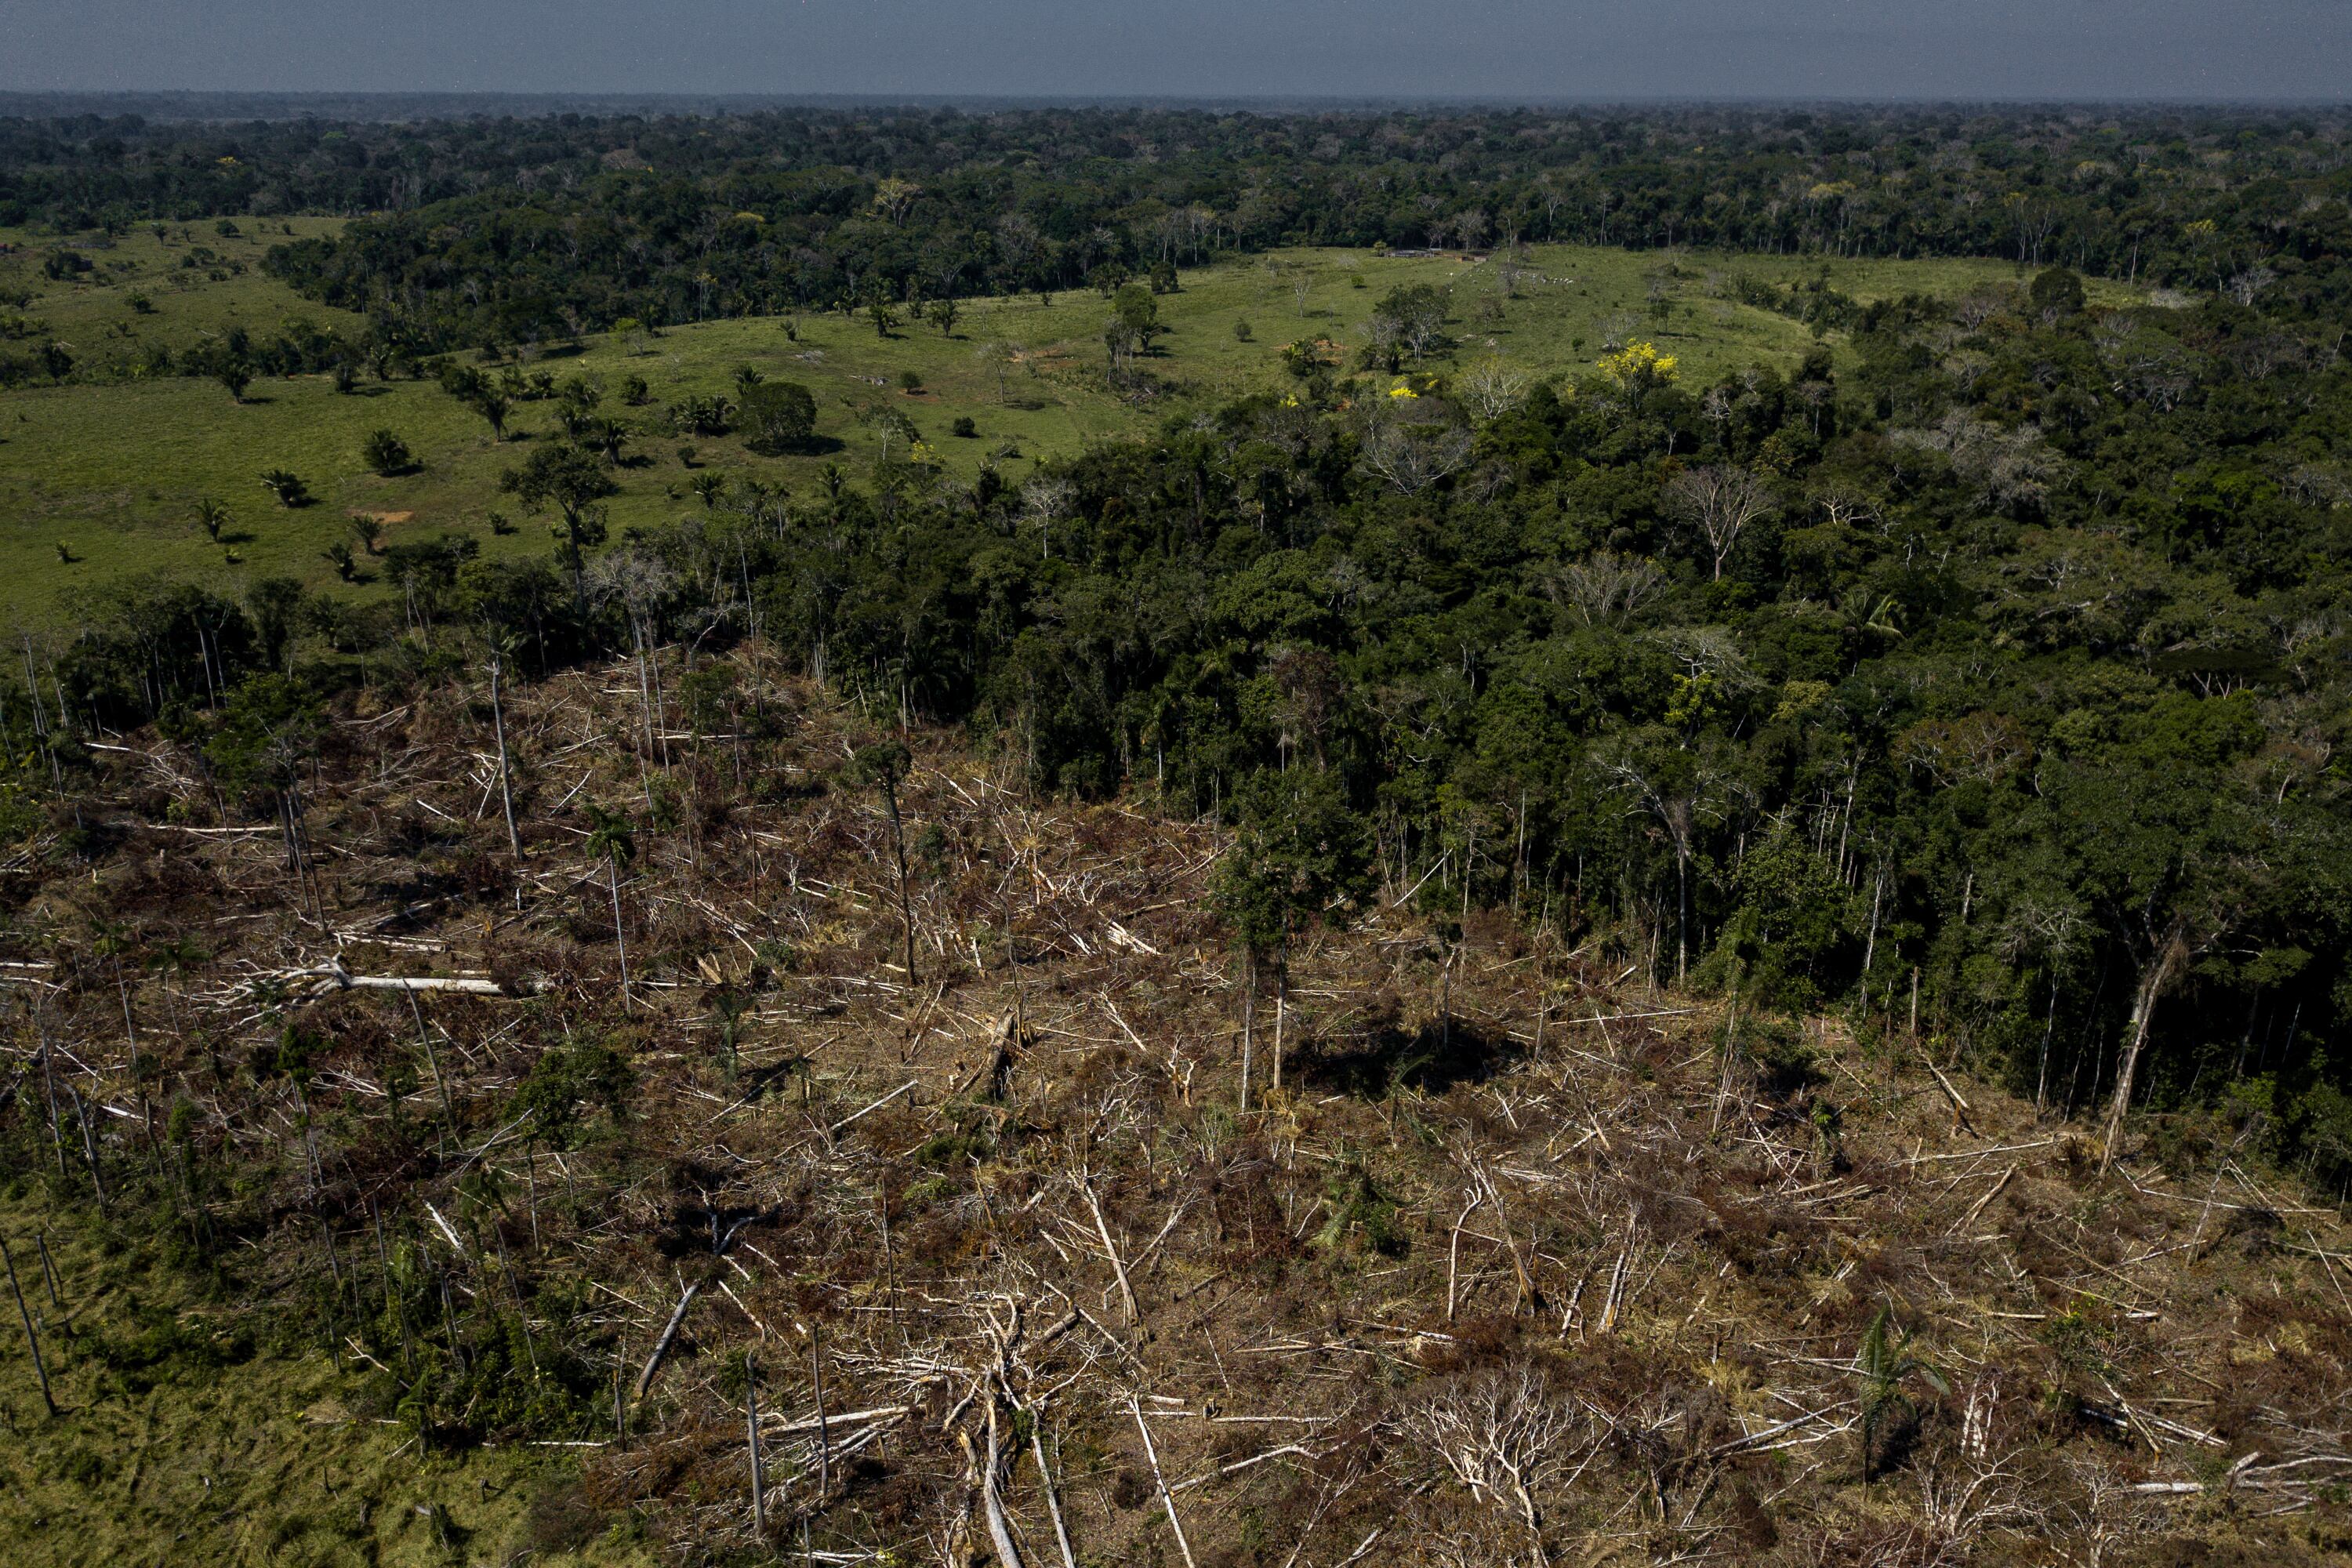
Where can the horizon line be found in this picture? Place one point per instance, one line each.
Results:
(439, 102)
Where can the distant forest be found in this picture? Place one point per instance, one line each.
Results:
(527, 229)
(1994, 664)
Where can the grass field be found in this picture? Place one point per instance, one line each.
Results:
(259, 1462)
(100, 476)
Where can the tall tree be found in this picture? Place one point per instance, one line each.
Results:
(613, 836)
(572, 479)
(1719, 500)
(1299, 854)
(882, 766)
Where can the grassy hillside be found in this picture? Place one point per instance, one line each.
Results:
(100, 476)
(194, 278)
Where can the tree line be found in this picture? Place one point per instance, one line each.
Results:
(521, 230)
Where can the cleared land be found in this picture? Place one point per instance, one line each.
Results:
(1021, 1184)
(101, 477)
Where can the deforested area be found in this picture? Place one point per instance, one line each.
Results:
(650, 1152)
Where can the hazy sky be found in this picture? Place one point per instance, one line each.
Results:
(1508, 50)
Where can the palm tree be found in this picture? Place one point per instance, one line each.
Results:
(211, 517)
(1883, 1365)
(728, 1008)
(287, 488)
(614, 837)
(493, 405)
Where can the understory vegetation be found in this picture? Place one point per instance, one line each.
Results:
(1436, 952)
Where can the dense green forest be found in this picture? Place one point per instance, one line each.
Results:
(1997, 671)
(524, 230)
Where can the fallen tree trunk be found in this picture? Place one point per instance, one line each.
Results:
(685, 1305)
(331, 976)
(668, 1336)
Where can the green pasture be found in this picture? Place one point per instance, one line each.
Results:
(194, 279)
(100, 476)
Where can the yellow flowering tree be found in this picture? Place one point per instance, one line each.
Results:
(1637, 368)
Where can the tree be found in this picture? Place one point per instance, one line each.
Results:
(478, 391)
(1118, 342)
(728, 1009)
(890, 429)
(700, 416)
(605, 437)
(613, 836)
(999, 356)
(288, 487)
(1415, 313)
(576, 404)
(1045, 502)
(779, 416)
(580, 1072)
(1721, 501)
(229, 365)
(273, 603)
(211, 517)
(881, 766)
(1678, 787)
(1638, 369)
(572, 479)
(2174, 855)
(644, 586)
(1411, 455)
(2055, 292)
(1883, 1365)
(110, 940)
(386, 454)
(1138, 312)
(172, 958)
(1493, 387)
(1298, 856)
(267, 730)
(1605, 587)
(943, 313)
(500, 642)
(1506, 1438)
(893, 197)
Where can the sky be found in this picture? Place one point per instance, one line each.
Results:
(1494, 50)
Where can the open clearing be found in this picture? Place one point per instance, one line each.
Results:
(100, 476)
(1688, 1212)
